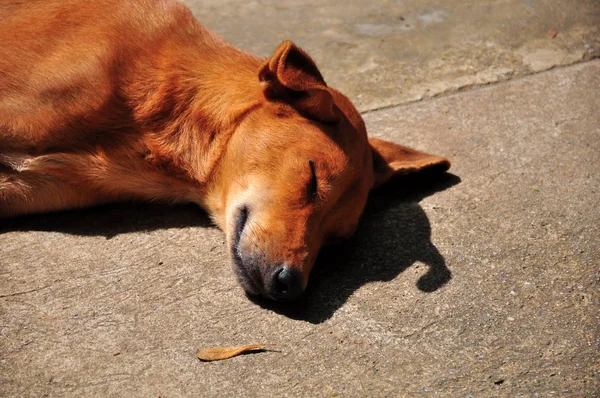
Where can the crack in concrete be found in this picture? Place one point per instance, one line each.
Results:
(23, 292)
(475, 86)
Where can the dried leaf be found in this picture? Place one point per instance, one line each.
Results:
(218, 353)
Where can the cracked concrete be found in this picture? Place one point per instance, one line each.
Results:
(481, 283)
(484, 284)
(392, 52)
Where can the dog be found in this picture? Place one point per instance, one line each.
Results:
(118, 100)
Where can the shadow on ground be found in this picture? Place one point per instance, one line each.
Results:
(112, 220)
(394, 233)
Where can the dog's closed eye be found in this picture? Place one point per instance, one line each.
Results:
(312, 186)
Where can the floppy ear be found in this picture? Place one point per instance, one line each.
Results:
(391, 160)
(290, 75)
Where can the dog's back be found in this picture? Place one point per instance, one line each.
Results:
(61, 66)
(81, 85)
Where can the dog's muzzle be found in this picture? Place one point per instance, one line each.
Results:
(258, 277)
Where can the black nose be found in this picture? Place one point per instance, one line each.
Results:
(287, 284)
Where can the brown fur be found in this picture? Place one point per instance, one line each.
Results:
(111, 100)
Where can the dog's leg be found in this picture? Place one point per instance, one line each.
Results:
(28, 192)
(60, 181)
(25, 189)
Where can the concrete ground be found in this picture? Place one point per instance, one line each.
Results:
(484, 282)
(387, 52)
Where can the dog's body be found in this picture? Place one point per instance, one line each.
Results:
(117, 100)
(98, 94)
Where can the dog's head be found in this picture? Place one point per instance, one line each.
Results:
(299, 169)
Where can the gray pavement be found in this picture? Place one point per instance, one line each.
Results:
(481, 283)
(388, 52)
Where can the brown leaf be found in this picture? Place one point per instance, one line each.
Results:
(218, 353)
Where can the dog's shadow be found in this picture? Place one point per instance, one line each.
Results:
(393, 234)
(112, 220)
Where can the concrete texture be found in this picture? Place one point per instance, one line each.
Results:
(390, 52)
(481, 283)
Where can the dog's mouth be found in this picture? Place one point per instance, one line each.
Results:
(240, 224)
(250, 280)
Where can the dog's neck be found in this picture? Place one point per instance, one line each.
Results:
(190, 98)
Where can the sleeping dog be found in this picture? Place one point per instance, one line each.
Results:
(112, 100)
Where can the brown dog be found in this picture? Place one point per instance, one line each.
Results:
(112, 100)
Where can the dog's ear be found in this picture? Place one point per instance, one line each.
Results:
(290, 75)
(391, 160)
